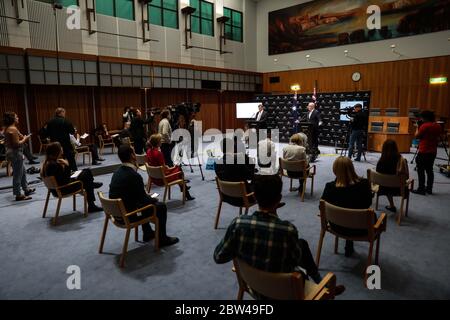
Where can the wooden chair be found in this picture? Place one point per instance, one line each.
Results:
(102, 144)
(159, 173)
(235, 190)
(302, 167)
(392, 181)
(115, 211)
(282, 286)
(51, 184)
(83, 151)
(43, 144)
(141, 159)
(362, 219)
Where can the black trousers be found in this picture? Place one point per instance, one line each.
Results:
(161, 213)
(139, 145)
(166, 149)
(69, 154)
(425, 162)
(314, 140)
(88, 184)
(307, 261)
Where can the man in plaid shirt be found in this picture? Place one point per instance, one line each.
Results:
(263, 240)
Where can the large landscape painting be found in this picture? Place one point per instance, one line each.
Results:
(325, 23)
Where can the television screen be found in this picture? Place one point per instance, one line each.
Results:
(247, 110)
(347, 105)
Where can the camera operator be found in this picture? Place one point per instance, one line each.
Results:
(138, 132)
(127, 115)
(428, 131)
(165, 130)
(358, 122)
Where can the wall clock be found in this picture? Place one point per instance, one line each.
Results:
(356, 76)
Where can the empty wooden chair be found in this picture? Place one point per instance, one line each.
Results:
(102, 144)
(300, 166)
(75, 187)
(43, 144)
(83, 151)
(333, 218)
(236, 190)
(159, 174)
(282, 286)
(115, 211)
(392, 181)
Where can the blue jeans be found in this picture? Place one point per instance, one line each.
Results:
(356, 136)
(19, 173)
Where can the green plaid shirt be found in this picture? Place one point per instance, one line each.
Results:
(263, 241)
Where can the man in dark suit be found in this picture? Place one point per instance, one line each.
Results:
(261, 117)
(314, 118)
(128, 185)
(59, 130)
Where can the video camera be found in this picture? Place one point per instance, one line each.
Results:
(347, 111)
(185, 109)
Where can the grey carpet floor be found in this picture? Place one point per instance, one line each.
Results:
(414, 257)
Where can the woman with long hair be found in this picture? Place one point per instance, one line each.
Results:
(55, 165)
(350, 191)
(155, 158)
(391, 162)
(14, 143)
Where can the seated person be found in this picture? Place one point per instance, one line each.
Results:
(155, 158)
(75, 140)
(123, 135)
(248, 236)
(128, 185)
(234, 167)
(296, 151)
(267, 156)
(391, 162)
(348, 191)
(55, 165)
(103, 131)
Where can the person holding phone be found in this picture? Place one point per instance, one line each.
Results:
(14, 142)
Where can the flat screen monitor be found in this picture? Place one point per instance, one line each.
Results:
(348, 105)
(247, 110)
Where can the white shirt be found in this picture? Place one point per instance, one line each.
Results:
(74, 140)
(259, 115)
(165, 130)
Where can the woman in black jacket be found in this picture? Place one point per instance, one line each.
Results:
(55, 165)
(348, 191)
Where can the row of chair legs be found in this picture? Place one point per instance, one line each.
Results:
(58, 205)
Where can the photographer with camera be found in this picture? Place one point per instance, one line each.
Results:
(359, 120)
(429, 132)
(165, 130)
(138, 132)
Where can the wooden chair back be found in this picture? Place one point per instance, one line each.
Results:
(140, 159)
(362, 219)
(293, 166)
(155, 172)
(282, 286)
(231, 189)
(386, 180)
(114, 208)
(50, 182)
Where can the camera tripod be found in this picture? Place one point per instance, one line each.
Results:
(189, 164)
(346, 142)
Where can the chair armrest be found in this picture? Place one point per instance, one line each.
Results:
(381, 221)
(312, 167)
(70, 184)
(142, 209)
(327, 283)
(251, 194)
(174, 174)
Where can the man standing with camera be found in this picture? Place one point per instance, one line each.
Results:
(359, 121)
(428, 131)
(138, 132)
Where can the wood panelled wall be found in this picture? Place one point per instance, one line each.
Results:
(107, 104)
(397, 84)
